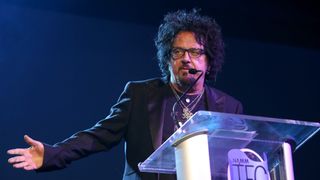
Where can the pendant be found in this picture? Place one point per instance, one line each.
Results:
(186, 114)
(187, 100)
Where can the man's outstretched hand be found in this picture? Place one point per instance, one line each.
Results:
(27, 158)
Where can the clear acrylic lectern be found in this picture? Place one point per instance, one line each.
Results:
(212, 145)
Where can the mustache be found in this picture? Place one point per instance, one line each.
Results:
(185, 67)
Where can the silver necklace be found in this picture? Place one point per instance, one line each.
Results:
(187, 109)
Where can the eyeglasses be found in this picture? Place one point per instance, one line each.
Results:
(177, 52)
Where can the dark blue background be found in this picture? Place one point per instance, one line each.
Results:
(60, 73)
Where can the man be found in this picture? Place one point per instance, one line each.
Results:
(190, 52)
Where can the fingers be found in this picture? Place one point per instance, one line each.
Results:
(25, 165)
(24, 161)
(18, 151)
(27, 158)
(21, 164)
(30, 141)
(16, 159)
(29, 167)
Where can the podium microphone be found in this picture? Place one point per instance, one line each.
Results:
(174, 113)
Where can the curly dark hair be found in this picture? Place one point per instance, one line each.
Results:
(207, 33)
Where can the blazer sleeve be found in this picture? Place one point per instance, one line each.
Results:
(104, 135)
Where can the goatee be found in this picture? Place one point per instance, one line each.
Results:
(185, 83)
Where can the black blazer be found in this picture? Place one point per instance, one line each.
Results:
(137, 117)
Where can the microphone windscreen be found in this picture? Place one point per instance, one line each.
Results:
(193, 71)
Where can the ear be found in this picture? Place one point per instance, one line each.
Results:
(208, 69)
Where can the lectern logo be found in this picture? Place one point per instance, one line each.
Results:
(246, 164)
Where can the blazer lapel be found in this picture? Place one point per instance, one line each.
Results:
(215, 102)
(157, 99)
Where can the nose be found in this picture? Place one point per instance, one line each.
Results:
(186, 58)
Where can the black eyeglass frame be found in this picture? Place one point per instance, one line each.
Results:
(192, 52)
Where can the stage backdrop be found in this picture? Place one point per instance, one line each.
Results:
(61, 73)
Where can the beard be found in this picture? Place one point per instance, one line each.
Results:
(185, 81)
